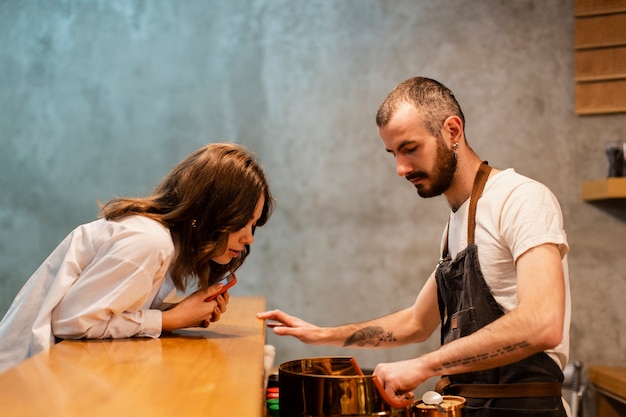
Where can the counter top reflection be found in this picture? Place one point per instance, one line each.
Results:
(192, 372)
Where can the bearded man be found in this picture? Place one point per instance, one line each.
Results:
(500, 292)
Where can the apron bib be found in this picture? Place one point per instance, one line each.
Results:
(530, 387)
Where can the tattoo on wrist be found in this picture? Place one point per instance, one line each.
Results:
(372, 336)
(490, 355)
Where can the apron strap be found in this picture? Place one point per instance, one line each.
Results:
(479, 185)
(477, 190)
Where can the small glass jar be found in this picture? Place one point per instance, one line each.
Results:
(615, 155)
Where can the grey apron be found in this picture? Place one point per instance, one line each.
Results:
(530, 387)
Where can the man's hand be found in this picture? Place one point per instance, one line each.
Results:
(399, 379)
(286, 325)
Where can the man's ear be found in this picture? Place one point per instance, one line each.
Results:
(453, 126)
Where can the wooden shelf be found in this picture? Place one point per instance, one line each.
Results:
(608, 188)
(600, 56)
(595, 7)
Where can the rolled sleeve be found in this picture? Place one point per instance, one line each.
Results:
(152, 323)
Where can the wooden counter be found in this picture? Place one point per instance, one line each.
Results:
(610, 384)
(195, 372)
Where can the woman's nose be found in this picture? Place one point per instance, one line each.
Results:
(247, 236)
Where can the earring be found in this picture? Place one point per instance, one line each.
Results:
(193, 224)
(455, 145)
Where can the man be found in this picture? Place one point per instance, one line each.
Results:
(500, 291)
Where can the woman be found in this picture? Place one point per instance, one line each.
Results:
(110, 278)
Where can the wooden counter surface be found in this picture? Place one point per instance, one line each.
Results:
(610, 383)
(610, 378)
(193, 372)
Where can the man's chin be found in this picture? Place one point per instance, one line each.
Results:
(426, 192)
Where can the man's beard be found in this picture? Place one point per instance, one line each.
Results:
(442, 175)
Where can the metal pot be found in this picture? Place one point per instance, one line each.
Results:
(336, 386)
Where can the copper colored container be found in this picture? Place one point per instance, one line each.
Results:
(335, 386)
(319, 387)
(453, 405)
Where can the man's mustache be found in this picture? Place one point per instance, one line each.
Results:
(416, 175)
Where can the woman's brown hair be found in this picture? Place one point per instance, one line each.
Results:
(208, 195)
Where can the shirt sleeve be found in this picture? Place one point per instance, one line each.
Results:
(531, 217)
(112, 296)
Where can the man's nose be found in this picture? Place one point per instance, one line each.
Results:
(403, 168)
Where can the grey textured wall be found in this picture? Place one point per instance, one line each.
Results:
(101, 98)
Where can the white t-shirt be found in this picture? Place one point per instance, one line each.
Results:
(105, 280)
(514, 214)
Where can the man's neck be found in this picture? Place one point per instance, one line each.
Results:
(463, 181)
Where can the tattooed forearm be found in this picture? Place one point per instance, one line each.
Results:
(478, 358)
(373, 336)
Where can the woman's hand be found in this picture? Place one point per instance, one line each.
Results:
(194, 311)
(222, 303)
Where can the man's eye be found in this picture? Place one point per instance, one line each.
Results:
(408, 151)
(253, 229)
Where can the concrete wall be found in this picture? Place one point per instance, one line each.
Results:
(102, 98)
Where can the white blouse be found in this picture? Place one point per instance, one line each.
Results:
(107, 279)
